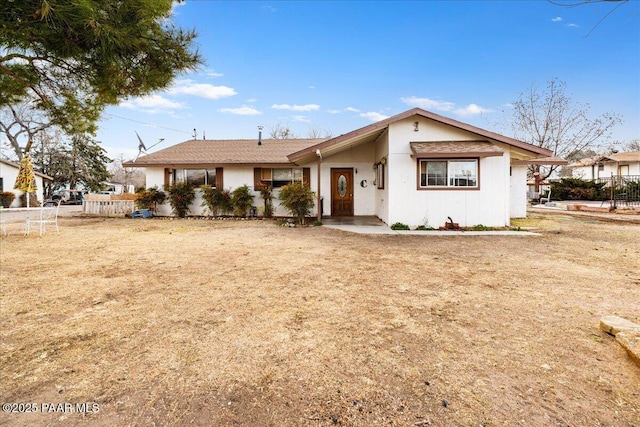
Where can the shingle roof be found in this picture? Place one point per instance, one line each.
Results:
(226, 152)
(456, 148)
(632, 156)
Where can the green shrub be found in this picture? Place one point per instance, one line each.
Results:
(242, 200)
(480, 227)
(6, 198)
(297, 198)
(266, 192)
(578, 189)
(217, 200)
(424, 228)
(181, 195)
(150, 198)
(400, 226)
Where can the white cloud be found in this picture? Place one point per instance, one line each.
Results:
(302, 119)
(151, 103)
(306, 107)
(251, 100)
(212, 74)
(472, 110)
(312, 87)
(428, 104)
(241, 111)
(556, 19)
(573, 25)
(349, 109)
(373, 116)
(204, 90)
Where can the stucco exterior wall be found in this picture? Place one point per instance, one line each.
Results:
(589, 172)
(488, 205)
(518, 192)
(234, 177)
(360, 158)
(9, 175)
(381, 195)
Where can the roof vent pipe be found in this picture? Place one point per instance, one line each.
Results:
(259, 135)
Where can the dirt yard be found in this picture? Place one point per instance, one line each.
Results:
(244, 323)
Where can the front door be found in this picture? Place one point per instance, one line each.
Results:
(341, 192)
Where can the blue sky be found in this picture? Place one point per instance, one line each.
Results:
(338, 66)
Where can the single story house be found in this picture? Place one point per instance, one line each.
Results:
(597, 167)
(417, 168)
(9, 174)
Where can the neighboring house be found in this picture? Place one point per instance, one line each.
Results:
(417, 168)
(8, 175)
(112, 187)
(598, 167)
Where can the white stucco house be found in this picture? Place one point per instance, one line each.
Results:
(417, 168)
(598, 167)
(9, 173)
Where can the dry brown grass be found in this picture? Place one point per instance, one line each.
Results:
(245, 323)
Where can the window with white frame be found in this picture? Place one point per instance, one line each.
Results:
(461, 173)
(195, 177)
(279, 177)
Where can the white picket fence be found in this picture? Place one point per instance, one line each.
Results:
(100, 204)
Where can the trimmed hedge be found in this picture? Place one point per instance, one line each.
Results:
(578, 189)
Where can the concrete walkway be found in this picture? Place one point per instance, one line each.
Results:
(372, 225)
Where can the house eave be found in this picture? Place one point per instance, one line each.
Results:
(373, 131)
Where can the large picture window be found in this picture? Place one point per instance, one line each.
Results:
(279, 177)
(195, 177)
(449, 173)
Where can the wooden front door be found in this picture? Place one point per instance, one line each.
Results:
(341, 192)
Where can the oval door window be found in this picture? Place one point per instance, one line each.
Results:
(342, 185)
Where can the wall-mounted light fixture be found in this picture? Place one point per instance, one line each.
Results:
(415, 126)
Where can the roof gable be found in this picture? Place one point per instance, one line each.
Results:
(373, 131)
(631, 156)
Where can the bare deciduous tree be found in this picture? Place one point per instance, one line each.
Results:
(21, 124)
(127, 176)
(633, 145)
(280, 131)
(283, 131)
(316, 132)
(550, 119)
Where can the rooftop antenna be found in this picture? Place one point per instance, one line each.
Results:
(195, 134)
(203, 137)
(260, 135)
(142, 148)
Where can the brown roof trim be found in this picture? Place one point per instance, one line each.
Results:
(426, 114)
(549, 161)
(206, 165)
